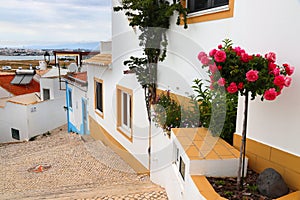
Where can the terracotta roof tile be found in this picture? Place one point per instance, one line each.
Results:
(42, 72)
(80, 75)
(78, 78)
(5, 80)
(99, 59)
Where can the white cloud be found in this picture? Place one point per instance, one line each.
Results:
(55, 20)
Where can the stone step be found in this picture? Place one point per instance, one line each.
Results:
(107, 156)
(87, 138)
(140, 189)
(79, 170)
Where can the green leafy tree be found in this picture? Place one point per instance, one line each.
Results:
(152, 17)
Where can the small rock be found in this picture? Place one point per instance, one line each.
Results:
(232, 179)
(271, 184)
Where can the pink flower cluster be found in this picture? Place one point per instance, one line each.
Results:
(252, 75)
(239, 71)
(279, 80)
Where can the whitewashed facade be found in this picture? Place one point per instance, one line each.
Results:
(4, 93)
(29, 115)
(76, 103)
(256, 26)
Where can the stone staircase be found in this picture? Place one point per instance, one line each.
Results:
(81, 168)
(142, 191)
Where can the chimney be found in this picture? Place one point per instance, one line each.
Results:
(105, 47)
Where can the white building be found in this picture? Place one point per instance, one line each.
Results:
(25, 116)
(117, 111)
(76, 102)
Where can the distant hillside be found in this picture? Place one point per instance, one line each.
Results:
(77, 45)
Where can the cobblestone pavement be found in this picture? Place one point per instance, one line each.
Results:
(72, 169)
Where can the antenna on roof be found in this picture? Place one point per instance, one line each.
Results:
(73, 67)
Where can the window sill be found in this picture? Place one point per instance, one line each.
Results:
(99, 113)
(221, 12)
(125, 132)
(209, 11)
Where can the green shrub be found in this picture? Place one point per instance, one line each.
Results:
(168, 113)
(217, 109)
(208, 109)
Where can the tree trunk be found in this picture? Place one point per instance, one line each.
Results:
(243, 145)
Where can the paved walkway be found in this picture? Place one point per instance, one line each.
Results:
(71, 169)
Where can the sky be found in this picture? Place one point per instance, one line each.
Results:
(26, 22)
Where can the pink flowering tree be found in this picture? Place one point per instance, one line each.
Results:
(233, 69)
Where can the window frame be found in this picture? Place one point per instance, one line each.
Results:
(46, 89)
(182, 168)
(70, 100)
(126, 110)
(98, 111)
(220, 12)
(211, 7)
(125, 129)
(15, 133)
(176, 154)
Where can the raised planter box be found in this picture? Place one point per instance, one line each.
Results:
(206, 155)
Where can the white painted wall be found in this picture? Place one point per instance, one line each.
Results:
(124, 44)
(112, 77)
(46, 83)
(31, 120)
(258, 27)
(176, 74)
(59, 88)
(13, 116)
(47, 116)
(4, 93)
(106, 47)
(274, 123)
(75, 116)
(165, 168)
(34, 119)
(53, 85)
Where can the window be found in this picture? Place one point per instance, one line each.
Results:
(199, 5)
(175, 154)
(46, 94)
(15, 134)
(182, 168)
(206, 10)
(126, 107)
(99, 103)
(124, 111)
(99, 97)
(70, 98)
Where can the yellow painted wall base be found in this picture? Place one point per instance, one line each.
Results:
(206, 189)
(291, 196)
(99, 133)
(262, 156)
